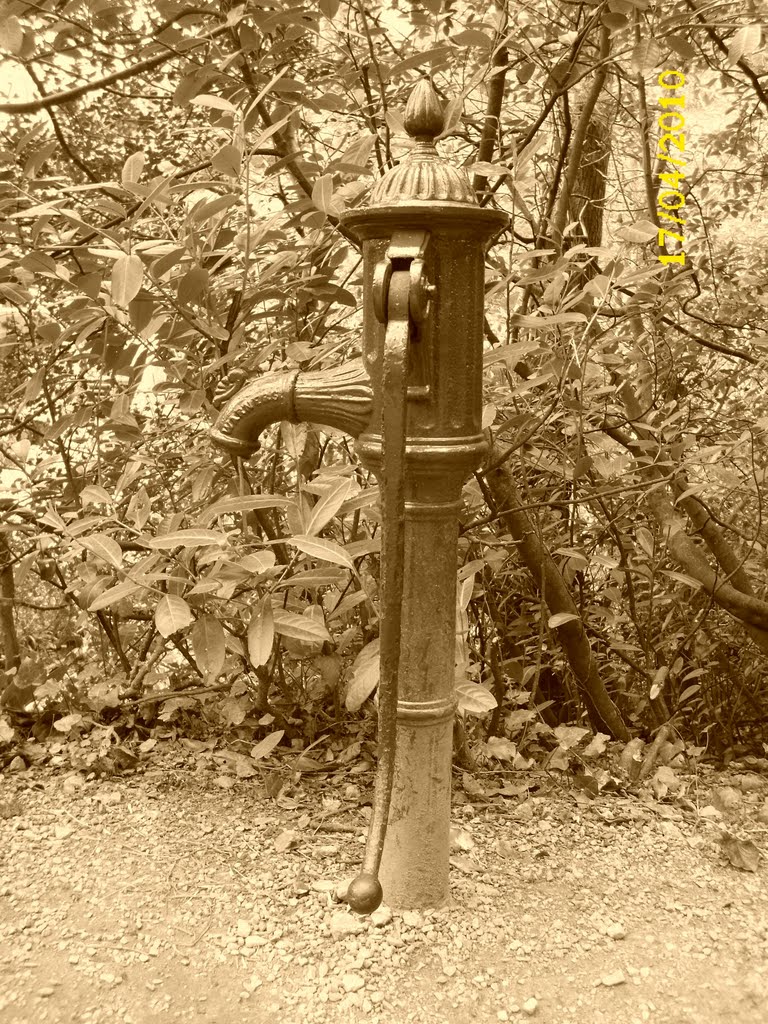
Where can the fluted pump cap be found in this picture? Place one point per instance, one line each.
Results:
(423, 176)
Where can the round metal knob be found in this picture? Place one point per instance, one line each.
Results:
(364, 894)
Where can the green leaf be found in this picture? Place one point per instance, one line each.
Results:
(127, 275)
(545, 322)
(94, 495)
(117, 593)
(646, 55)
(452, 115)
(227, 160)
(472, 37)
(208, 646)
(11, 35)
(416, 60)
(214, 102)
(206, 211)
(645, 540)
(325, 550)
(358, 153)
(639, 232)
(682, 47)
(133, 168)
(172, 614)
(330, 503)
(257, 562)
(261, 634)
(744, 42)
(364, 676)
(474, 699)
(267, 745)
(195, 537)
(167, 262)
(192, 286)
(323, 197)
(299, 627)
(560, 619)
(229, 505)
(104, 547)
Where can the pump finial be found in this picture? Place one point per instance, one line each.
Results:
(423, 175)
(423, 114)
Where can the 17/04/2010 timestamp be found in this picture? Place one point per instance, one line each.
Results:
(671, 200)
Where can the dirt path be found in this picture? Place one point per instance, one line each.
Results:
(161, 896)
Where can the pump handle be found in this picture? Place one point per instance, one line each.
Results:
(365, 892)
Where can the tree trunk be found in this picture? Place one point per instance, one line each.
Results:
(8, 634)
(603, 714)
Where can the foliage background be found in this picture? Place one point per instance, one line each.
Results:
(171, 180)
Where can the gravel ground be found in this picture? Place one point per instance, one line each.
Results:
(176, 894)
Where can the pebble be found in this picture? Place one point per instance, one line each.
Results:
(726, 799)
(381, 916)
(109, 797)
(18, 764)
(413, 919)
(613, 979)
(352, 982)
(266, 919)
(343, 924)
(72, 783)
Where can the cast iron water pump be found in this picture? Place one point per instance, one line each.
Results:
(415, 408)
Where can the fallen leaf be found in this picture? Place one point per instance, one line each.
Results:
(500, 748)
(464, 864)
(558, 760)
(273, 786)
(742, 853)
(287, 840)
(506, 849)
(472, 787)
(596, 745)
(461, 839)
(267, 745)
(726, 799)
(586, 784)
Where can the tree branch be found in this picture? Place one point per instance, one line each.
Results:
(58, 99)
(560, 218)
(492, 119)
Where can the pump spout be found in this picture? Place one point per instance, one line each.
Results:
(341, 397)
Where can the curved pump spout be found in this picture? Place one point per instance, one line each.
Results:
(341, 398)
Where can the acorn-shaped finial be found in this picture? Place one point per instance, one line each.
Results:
(423, 114)
(423, 175)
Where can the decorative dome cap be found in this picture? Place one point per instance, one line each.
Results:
(423, 175)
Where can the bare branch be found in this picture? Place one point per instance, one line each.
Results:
(58, 99)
